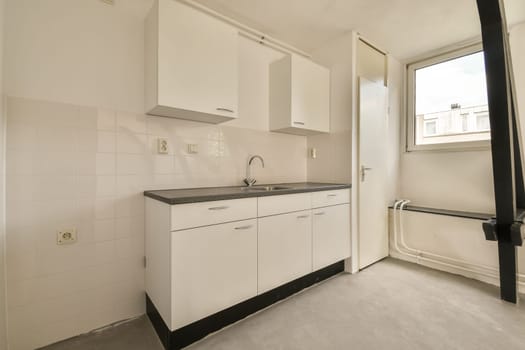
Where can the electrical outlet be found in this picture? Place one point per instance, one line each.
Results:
(313, 153)
(67, 236)
(162, 146)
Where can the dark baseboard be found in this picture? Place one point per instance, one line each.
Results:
(179, 338)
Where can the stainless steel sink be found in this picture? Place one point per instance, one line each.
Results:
(265, 188)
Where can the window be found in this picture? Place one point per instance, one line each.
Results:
(447, 101)
(430, 128)
(482, 121)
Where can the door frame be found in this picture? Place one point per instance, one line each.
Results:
(352, 266)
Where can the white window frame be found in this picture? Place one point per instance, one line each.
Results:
(411, 101)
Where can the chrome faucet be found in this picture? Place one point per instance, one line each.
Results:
(249, 180)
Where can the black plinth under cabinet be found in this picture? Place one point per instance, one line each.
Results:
(179, 338)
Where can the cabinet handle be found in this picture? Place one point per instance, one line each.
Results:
(320, 213)
(225, 110)
(219, 208)
(332, 195)
(243, 227)
(299, 123)
(303, 216)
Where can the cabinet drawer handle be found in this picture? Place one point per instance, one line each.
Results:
(243, 227)
(320, 213)
(225, 110)
(332, 195)
(219, 208)
(303, 216)
(299, 123)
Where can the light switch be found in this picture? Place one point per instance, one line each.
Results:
(313, 153)
(193, 148)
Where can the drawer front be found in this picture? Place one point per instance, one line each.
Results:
(327, 198)
(208, 213)
(287, 203)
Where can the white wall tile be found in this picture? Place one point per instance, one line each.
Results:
(131, 122)
(104, 230)
(105, 208)
(106, 141)
(105, 164)
(129, 142)
(91, 176)
(106, 185)
(86, 140)
(106, 120)
(132, 164)
(21, 136)
(54, 163)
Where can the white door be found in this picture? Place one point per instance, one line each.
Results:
(373, 213)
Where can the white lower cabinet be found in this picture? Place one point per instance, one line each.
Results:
(331, 235)
(205, 257)
(213, 267)
(284, 248)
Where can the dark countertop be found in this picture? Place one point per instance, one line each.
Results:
(205, 194)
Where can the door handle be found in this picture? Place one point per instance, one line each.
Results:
(222, 109)
(364, 169)
(303, 216)
(243, 227)
(219, 208)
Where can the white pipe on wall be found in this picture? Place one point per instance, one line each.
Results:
(419, 255)
(247, 31)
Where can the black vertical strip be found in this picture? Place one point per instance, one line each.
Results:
(493, 30)
(507, 271)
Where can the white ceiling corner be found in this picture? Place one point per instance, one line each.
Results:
(405, 28)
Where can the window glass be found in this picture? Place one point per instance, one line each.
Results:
(450, 101)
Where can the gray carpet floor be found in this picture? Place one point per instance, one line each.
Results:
(390, 305)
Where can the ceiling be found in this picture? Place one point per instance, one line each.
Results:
(404, 28)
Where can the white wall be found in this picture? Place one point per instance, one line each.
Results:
(91, 52)
(80, 152)
(517, 43)
(395, 78)
(3, 316)
(460, 180)
(334, 150)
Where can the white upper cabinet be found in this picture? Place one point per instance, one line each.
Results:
(191, 64)
(299, 96)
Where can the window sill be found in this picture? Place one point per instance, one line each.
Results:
(451, 147)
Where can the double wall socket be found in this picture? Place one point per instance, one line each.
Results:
(162, 146)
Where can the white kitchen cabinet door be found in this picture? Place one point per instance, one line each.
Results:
(191, 64)
(284, 248)
(213, 268)
(299, 96)
(331, 235)
(310, 95)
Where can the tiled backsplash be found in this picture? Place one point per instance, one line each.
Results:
(73, 166)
